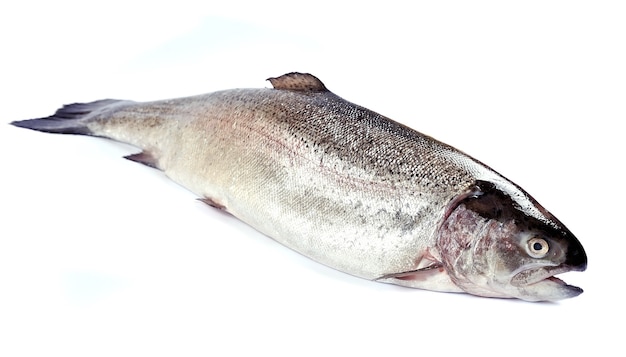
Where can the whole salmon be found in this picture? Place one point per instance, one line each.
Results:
(345, 186)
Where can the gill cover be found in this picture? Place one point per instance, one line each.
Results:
(490, 247)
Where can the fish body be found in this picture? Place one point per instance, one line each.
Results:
(344, 186)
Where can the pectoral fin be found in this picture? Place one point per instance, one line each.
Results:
(432, 277)
(417, 274)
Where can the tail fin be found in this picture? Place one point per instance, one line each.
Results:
(71, 119)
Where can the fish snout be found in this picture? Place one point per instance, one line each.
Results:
(576, 258)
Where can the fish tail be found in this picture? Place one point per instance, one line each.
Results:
(71, 118)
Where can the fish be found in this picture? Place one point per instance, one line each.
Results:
(344, 186)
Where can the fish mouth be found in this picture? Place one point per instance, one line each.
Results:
(544, 285)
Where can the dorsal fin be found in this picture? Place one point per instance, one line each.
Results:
(301, 82)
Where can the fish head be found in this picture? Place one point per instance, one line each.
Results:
(493, 246)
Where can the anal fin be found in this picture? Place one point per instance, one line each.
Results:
(144, 157)
(214, 203)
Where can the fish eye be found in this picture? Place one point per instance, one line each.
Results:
(537, 247)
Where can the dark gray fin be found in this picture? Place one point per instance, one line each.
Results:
(417, 274)
(146, 158)
(68, 120)
(300, 82)
(214, 203)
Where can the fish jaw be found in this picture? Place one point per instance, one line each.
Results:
(486, 243)
(543, 284)
(540, 283)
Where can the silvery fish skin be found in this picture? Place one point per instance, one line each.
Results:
(345, 186)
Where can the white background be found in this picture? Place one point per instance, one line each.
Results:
(102, 256)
